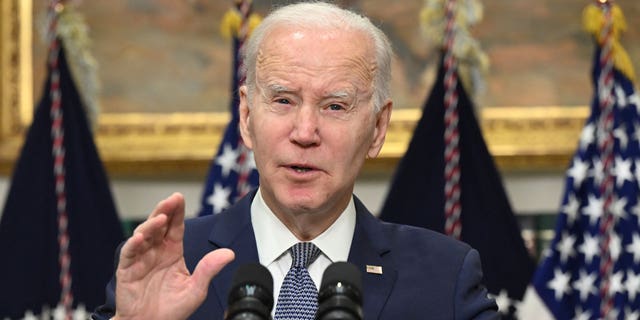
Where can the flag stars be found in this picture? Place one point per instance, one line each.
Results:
(28, 315)
(571, 209)
(560, 283)
(621, 96)
(59, 313)
(503, 302)
(616, 285)
(612, 315)
(587, 135)
(615, 246)
(635, 210)
(80, 313)
(219, 199)
(585, 285)
(617, 208)
(621, 134)
(227, 160)
(632, 284)
(578, 171)
(623, 171)
(637, 171)
(582, 314)
(631, 314)
(589, 247)
(607, 252)
(593, 209)
(634, 247)
(565, 247)
(635, 99)
(251, 162)
(636, 132)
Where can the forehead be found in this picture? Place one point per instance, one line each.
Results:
(319, 53)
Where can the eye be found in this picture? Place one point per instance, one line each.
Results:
(336, 107)
(282, 101)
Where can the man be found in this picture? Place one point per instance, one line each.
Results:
(316, 104)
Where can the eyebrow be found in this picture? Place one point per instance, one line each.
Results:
(278, 88)
(339, 94)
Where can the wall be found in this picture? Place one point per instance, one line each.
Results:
(135, 198)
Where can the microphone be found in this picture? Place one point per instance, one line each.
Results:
(340, 295)
(251, 294)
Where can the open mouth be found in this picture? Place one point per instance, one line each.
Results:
(301, 169)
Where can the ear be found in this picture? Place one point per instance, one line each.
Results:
(245, 116)
(382, 123)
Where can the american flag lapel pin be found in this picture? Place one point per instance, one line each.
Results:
(374, 269)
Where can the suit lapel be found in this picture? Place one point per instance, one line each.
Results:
(370, 248)
(234, 231)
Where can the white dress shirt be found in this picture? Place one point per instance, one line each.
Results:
(273, 240)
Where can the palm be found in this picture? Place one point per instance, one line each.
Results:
(152, 279)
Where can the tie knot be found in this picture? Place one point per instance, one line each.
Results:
(304, 253)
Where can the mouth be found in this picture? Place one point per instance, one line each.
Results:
(300, 169)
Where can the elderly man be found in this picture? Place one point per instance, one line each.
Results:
(316, 104)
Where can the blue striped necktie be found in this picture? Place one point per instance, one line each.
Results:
(298, 297)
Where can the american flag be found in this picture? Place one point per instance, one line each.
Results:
(233, 172)
(591, 269)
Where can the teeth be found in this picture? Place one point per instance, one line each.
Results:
(300, 169)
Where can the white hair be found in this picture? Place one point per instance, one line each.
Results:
(324, 15)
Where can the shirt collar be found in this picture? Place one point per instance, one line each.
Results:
(273, 238)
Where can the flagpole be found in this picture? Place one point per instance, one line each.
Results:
(58, 151)
(452, 206)
(232, 173)
(244, 165)
(605, 144)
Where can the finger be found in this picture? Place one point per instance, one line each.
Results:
(167, 206)
(146, 235)
(175, 211)
(129, 251)
(153, 229)
(209, 266)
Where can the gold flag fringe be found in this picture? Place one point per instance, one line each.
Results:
(593, 22)
(473, 62)
(73, 32)
(232, 20)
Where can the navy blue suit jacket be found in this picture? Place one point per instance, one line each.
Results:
(425, 275)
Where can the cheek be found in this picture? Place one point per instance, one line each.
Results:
(268, 133)
(353, 146)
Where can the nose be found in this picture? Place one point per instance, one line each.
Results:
(305, 130)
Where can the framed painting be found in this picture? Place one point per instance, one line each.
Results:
(164, 70)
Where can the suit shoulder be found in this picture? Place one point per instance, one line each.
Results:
(424, 241)
(199, 223)
(197, 230)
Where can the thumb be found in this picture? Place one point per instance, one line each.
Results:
(209, 266)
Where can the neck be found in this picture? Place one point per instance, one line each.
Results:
(308, 226)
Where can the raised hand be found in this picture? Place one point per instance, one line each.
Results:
(153, 281)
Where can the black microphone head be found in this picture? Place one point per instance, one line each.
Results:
(251, 293)
(340, 295)
(253, 273)
(344, 273)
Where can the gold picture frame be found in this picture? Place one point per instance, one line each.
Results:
(182, 144)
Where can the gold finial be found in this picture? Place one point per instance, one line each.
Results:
(233, 19)
(593, 20)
